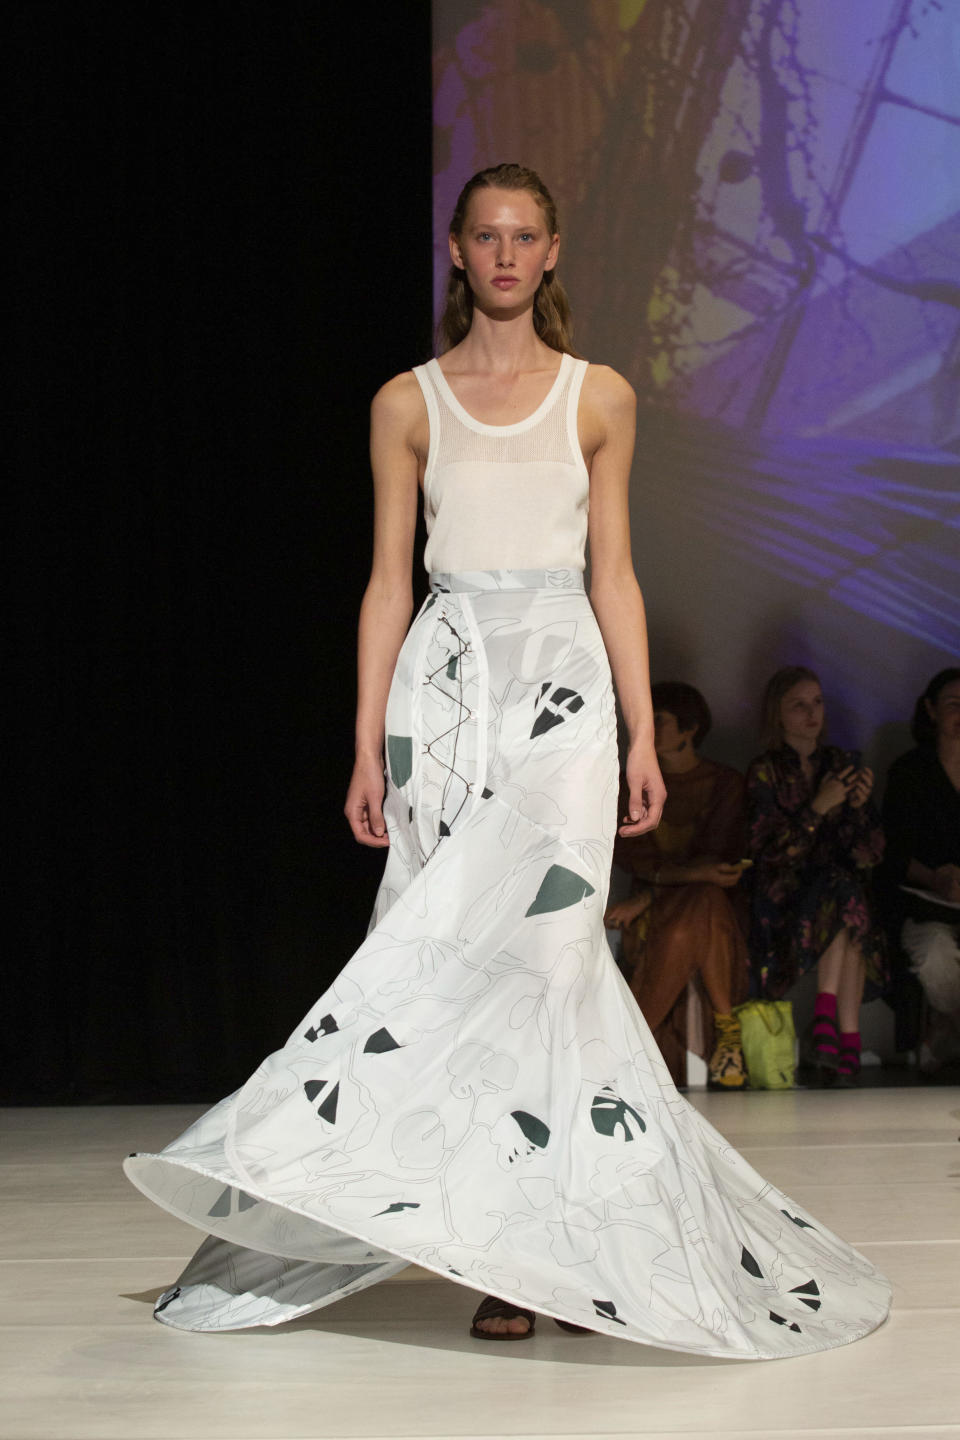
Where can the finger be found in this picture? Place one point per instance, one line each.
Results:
(646, 823)
(646, 797)
(375, 818)
(355, 821)
(359, 819)
(376, 827)
(637, 827)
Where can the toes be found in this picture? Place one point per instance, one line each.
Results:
(499, 1326)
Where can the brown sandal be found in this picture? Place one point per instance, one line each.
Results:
(491, 1307)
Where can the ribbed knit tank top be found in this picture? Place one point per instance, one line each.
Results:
(505, 497)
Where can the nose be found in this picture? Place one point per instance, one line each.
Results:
(505, 254)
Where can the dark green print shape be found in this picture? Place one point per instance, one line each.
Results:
(551, 708)
(400, 758)
(327, 1109)
(750, 1264)
(327, 1026)
(559, 889)
(609, 1115)
(804, 1224)
(221, 1207)
(380, 1042)
(805, 1293)
(779, 1320)
(534, 1130)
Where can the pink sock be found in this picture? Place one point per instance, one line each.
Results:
(849, 1052)
(825, 1025)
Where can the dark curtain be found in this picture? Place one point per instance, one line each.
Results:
(223, 231)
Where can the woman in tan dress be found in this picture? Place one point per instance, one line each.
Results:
(680, 924)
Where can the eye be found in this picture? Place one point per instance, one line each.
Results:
(527, 235)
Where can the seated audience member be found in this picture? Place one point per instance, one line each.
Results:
(814, 836)
(921, 815)
(679, 923)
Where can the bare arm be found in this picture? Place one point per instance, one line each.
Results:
(388, 600)
(608, 428)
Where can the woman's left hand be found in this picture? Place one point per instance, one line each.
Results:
(861, 789)
(646, 790)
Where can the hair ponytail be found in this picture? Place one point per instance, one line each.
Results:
(551, 308)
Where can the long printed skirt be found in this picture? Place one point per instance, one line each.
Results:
(478, 1092)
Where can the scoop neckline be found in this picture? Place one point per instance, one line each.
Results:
(517, 425)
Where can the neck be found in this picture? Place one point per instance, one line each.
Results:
(802, 744)
(506, 344)
(675, 762)
(948, 753)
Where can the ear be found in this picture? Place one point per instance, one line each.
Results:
(553, 253)
(456, 254)
(931, 709)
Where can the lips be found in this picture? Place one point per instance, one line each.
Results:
(505, 282)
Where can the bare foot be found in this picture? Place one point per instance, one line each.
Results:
(496, 1325)
(497, 1319)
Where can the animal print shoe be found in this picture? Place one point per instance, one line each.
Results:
(727, 1070)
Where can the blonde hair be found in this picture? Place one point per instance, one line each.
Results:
(551, 308)
(771, 726)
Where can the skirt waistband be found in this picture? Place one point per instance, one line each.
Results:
(465, 580)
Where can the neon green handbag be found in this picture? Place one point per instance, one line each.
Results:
(769, 1043)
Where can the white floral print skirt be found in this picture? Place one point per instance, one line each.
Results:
(477, 1092)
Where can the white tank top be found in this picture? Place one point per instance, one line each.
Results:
(505, 497)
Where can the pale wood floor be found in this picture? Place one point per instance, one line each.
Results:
(82, 1256)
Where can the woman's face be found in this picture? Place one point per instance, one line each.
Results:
(945, 712)
(801, 712)
(504, 249)
(668, 738)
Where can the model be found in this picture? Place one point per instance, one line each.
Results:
(478, 1093)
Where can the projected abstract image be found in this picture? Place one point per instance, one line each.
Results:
(761, 210)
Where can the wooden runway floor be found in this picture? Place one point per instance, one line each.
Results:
(82, 1257)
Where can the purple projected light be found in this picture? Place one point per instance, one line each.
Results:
(761, 208)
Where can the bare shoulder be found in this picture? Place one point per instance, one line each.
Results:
(398, 414)
(608, 408)
(606, 391)
(400, 398)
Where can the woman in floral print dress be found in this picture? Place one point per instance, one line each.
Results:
(814, 837)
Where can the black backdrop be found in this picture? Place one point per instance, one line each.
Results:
(223, 222)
